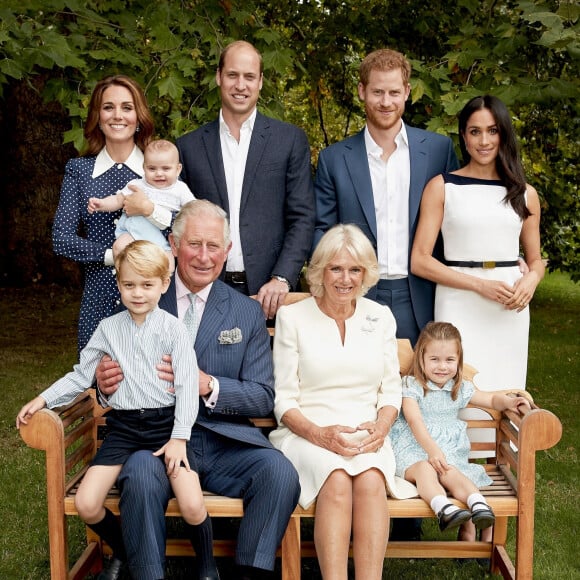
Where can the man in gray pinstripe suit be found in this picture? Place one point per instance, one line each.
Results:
(236, 382)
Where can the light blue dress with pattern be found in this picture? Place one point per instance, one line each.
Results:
(440, 414)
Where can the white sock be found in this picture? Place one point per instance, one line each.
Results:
(475, 498)
(439, 501)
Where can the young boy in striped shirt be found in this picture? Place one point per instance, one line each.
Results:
(145, 414)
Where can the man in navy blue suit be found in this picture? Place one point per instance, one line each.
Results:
(257, 169)
(236, 382)
(375, 180)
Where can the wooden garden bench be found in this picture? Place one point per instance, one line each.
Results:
(70, 436)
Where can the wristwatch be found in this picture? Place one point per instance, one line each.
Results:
(282, 279)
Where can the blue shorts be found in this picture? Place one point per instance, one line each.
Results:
(138, 430)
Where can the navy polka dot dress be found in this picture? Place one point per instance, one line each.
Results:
(84, 238)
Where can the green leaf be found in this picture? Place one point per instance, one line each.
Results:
(10, 68)
(170, 86)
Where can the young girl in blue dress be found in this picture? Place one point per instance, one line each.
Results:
(430, 441)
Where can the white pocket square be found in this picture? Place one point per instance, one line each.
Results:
(232, 336)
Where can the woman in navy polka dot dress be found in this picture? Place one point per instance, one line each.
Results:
(118, 127)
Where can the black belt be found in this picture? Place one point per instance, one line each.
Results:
(488, 264)
(236, 278)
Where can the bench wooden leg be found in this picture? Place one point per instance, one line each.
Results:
(291, 567)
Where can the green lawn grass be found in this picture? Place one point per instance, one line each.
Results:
(38, 345)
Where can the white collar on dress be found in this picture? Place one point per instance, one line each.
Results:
(103, 162)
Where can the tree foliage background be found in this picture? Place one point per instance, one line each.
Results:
(52, 53)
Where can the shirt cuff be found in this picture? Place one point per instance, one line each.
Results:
(161, 217)
(211, 399)
(109, 260)
(102, 399)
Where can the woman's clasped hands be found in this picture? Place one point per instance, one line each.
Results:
(347, 441)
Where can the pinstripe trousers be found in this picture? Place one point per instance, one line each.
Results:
(263, 477)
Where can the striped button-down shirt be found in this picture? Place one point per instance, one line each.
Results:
(138, 349)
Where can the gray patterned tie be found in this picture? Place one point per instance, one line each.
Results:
(191, 319)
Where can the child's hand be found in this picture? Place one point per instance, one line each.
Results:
(519, 405)
(438, 462)
(94, 204)
(28, 410)
(175, 454)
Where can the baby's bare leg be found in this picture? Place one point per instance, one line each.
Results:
(121, 243)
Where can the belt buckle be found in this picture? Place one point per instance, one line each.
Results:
(489, 264)
(238, 278)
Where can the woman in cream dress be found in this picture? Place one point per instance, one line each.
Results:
(338, 391)
(486, 211)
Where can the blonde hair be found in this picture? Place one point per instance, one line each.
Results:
(342, 237)
(195, 208)
(384, 59)
(162, 146)
(146, 258)
(437, 331)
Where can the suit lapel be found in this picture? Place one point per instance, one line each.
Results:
(418, 166)
(357, 165)
(260, 137)
(211, 321)
(168, 301)
(213, 150)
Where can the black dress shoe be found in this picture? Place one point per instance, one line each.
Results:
(482, 518)
(251, 573)
(112, 571)
(215, 576)
(453, 519)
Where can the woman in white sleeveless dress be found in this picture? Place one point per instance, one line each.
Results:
(486, 213)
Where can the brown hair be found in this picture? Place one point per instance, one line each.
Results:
(437, 331)
(146, 258)
(507, 163)
(93, 134)
(384, 59)
(239, 44)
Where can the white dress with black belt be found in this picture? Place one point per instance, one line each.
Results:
(479, 226)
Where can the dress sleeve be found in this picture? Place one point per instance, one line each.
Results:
(412, 389)
(466, 392)
(286, 361)
(70, 217)
(390, 390)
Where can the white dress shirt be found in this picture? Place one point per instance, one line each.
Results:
(235, 155)
(390, 181)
